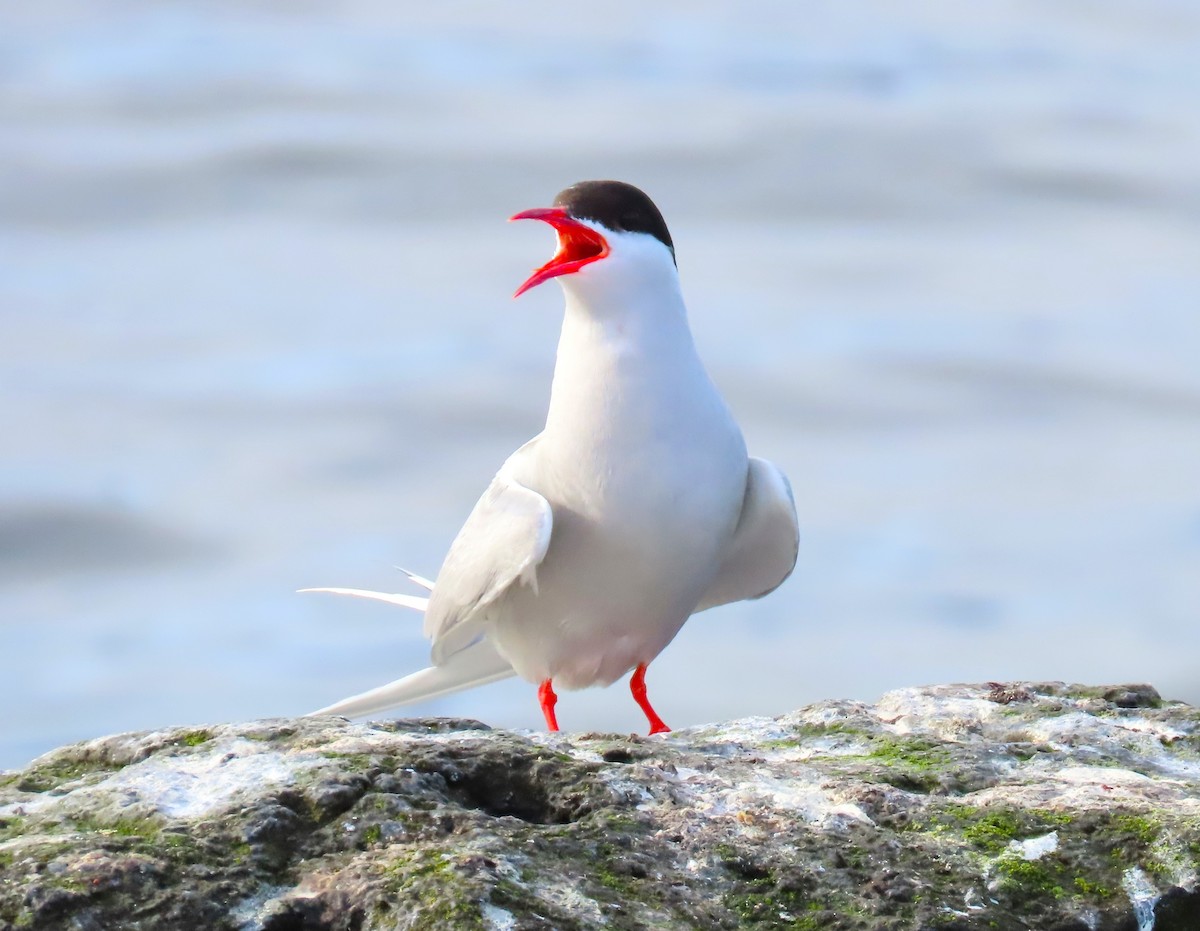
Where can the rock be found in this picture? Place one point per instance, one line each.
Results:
(1002, 806)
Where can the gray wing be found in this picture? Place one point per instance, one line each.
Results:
(763, 550)
(501, 545)
(478, 664)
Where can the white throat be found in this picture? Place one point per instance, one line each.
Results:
(625, 326)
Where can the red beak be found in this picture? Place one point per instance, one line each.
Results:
(578, 245)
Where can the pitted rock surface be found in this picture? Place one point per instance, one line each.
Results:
(995, 806)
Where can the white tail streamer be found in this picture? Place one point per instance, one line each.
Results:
(416, 602)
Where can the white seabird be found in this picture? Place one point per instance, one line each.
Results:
(637, 505)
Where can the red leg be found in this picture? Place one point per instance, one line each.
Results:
(637, 685)
(548, 699)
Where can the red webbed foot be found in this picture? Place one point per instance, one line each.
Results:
(548, 700)
(637, 685)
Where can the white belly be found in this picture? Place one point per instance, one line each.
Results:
(626, 566)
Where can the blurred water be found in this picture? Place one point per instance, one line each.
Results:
(254, 283)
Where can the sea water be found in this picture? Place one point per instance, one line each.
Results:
(256, 335)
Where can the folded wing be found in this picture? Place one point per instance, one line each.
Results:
(500, 546)
(763, 550)
(478, 664)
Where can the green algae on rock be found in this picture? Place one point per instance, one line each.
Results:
(1014, 806)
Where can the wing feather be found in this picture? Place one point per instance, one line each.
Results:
(476, 665)
(763, 550)
(501, 545)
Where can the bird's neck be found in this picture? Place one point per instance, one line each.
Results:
(626, 317)
(622, 347)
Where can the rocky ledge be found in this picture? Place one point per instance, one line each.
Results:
(1016, 806)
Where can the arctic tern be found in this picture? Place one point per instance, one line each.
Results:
(637, 505)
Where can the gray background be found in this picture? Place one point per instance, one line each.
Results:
(256, 334)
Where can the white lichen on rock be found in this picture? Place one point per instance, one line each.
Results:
(1034, 848)
(1142, 896)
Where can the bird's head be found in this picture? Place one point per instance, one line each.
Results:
(608, 232)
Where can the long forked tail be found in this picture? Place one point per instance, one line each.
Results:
(475, 665)
(416, 602)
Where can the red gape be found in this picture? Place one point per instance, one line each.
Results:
(548, 700)
(637, 685)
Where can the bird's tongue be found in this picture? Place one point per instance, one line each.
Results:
(578, 245)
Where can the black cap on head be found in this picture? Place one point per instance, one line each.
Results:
(616, 206)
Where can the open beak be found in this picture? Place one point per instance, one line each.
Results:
(578, 245)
